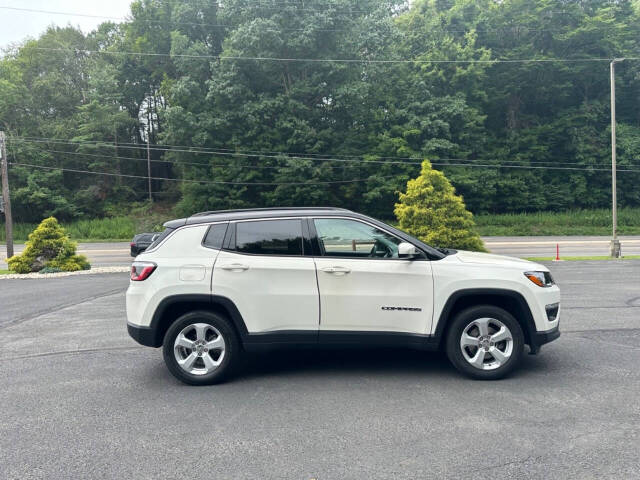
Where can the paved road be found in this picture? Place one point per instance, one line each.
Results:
(82, 400)
(570, 246)
(117, 254)
(26, 298)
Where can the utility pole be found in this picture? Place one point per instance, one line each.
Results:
(615, 243)
(149, 161)
(8, 221)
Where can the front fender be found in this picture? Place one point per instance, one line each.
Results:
(455, 281)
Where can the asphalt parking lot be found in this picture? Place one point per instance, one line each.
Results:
(82, 400)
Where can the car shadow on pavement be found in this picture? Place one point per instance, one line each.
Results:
(346, 362)
(353, 364)
(370, 361)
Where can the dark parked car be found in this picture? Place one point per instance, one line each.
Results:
(141, 242)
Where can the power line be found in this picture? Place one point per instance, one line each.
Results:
(191, 149)
(301, 8)
(363, 162)
(273, 5)
(173, 162)
(521, 29)
(585, 169)
(434, 163)
(208, 182)
(232, 152)
(275, 155)
(280, 156)
(157, 22)
(263, 6)
(329, 60)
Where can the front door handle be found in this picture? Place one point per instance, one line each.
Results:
(235, 267)
(337, 270)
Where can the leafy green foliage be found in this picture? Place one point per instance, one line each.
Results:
(50, 270)
(321, 132)
(116, 228)
(48, 247)
(431, 211)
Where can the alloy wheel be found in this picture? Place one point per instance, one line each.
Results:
(486, 343)
(199, 348)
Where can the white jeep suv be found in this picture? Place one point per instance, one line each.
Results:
(219, 283)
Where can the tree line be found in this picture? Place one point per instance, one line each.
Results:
(324, 102)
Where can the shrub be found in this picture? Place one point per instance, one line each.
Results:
(431, 211)
(50, 270)
(48, 246)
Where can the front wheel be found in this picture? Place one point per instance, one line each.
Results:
(201, 348)
(485, 342)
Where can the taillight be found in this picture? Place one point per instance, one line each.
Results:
(141, 270)
(132, 244)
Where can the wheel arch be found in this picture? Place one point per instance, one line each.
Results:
(172, 307)
(509, 300)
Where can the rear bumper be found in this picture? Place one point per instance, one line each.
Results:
(143, 335)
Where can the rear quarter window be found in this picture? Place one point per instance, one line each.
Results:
(160, 238)
(215, 236)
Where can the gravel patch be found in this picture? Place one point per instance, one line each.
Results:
(66, 274)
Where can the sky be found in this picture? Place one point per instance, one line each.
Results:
(15, 25)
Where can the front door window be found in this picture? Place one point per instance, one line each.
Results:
(340, 237)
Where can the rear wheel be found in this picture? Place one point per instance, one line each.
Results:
(200, 348)
(485, 342)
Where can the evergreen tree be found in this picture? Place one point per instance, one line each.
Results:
(431, 211)
(48, 247)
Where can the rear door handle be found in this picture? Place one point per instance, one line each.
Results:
(337, 270)
(235, 267)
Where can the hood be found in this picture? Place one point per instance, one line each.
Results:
(499, 260)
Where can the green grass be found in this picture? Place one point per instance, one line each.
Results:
(577, 222)
(6, 272)
(548, 259)
(115, 229)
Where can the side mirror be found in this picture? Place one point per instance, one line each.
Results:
(408, 251)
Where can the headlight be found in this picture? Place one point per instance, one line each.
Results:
(542, 279)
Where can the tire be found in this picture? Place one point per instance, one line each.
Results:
(482, 354)
(201, 348)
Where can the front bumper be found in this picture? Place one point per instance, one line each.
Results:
(541, 338)
(143, 335)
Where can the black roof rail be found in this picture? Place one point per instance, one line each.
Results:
(213, 212)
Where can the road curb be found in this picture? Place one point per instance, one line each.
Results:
(93, 271)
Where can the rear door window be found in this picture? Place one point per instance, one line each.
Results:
(269, 237)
